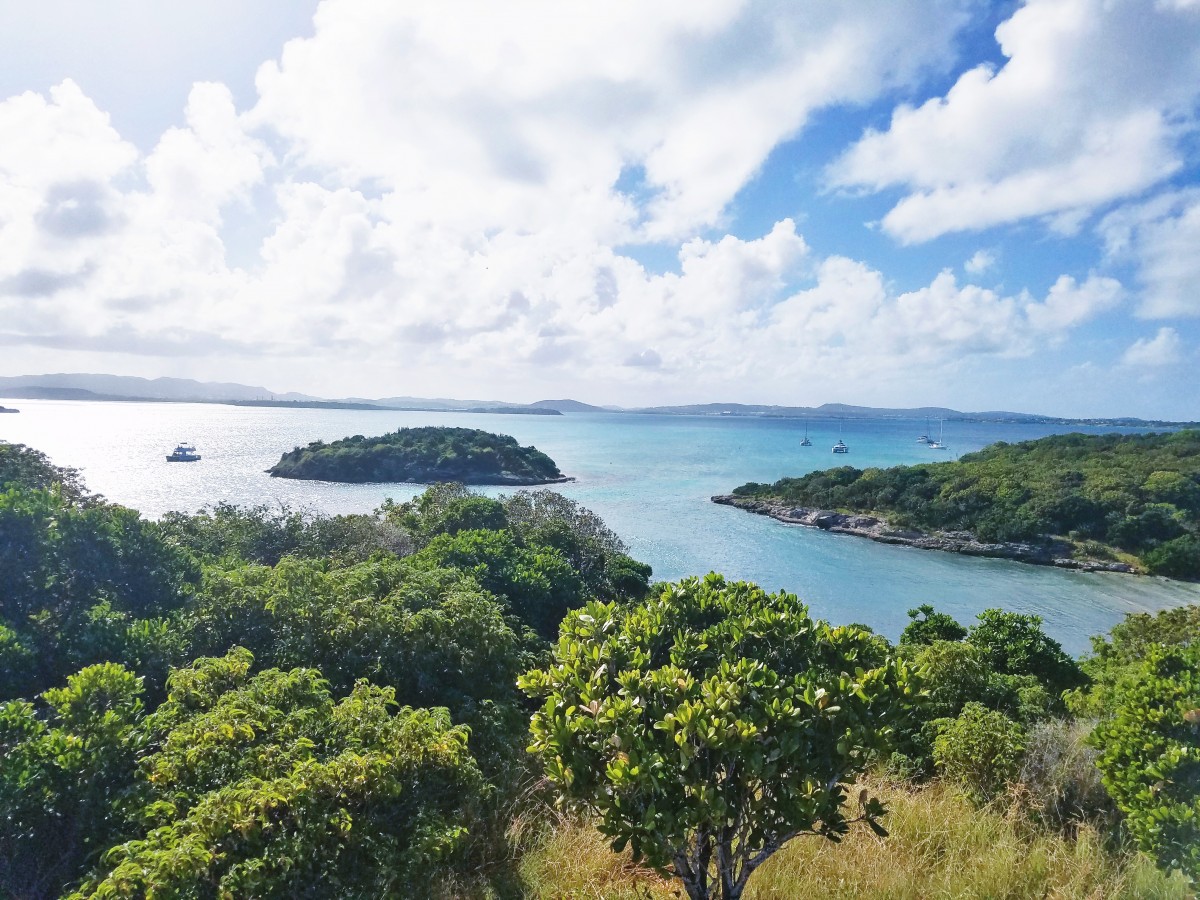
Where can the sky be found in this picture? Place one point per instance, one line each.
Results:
(896, 203)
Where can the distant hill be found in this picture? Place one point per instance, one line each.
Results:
(570, 406)
(82, 386)
(129, 386)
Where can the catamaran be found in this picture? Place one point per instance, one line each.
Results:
(184, 452)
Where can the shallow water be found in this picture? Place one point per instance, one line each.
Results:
(649, 477)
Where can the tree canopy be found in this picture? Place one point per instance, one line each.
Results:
(1138, 494)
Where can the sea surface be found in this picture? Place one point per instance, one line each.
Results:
(650, 477)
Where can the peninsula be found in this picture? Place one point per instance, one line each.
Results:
(1099, 502)
(422, 456)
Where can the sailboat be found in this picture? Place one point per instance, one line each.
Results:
(806, 442)
(924, 439)
(938, 445)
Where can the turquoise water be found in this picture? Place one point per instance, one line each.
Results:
(649, 477)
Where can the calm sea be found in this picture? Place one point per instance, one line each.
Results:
(649, 477)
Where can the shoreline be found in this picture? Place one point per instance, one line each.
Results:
(469, 483)
(876, 529)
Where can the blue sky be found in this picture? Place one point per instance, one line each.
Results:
(986, 206)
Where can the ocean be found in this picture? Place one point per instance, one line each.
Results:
(649, 476)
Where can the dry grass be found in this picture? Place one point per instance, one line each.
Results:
(940, 847)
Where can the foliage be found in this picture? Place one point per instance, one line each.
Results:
(1060, 784)
(79, 583)
(421, 455)
(1139, 493)
(262, 534)
(1015, 644)
(538, 583)
(534, 519)
(710, 724)
(1116, 658)
(430, 633)
(264, 786)
(981, 750)
(928, 626)
(66, 773)
(24, 467)
(1150, 755)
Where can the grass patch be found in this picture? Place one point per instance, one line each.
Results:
(941, 846)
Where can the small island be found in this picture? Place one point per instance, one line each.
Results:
(422, 456)
(6, 409)
(1122, 503)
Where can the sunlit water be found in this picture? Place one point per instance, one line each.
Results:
(649, 477)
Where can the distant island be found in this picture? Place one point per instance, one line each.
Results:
(1109, 502)
(83, 386)
(422, 456)
(5, 409)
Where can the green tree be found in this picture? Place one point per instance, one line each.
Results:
(712, 723)
(67, 774)
(1014, 644)
(1150, 755)
(928, 625)
(265, 786)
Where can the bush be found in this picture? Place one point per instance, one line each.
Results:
(1150, 756)
(1059, 780)
(981, 750)
(1178, 558)
(928, 625)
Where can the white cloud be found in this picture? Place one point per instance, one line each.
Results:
(1088, 108)
(1161, 238)
(1164, 349)
(980, 262)
(442, 209)
(479, 115)
(1069, 304)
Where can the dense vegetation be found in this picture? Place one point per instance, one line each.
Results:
(262, 703)
(428, 455)
(1109, 494)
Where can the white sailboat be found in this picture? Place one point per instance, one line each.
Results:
(938, 445)
(806, 442)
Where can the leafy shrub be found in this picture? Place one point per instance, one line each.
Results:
(1177, 558)
(264, 786)
(67, 774)
(928, 626)
(1014, 644)
(981, 750)
(1150, 755)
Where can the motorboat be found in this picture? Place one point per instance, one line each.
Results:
(840, 447)
(184, 453)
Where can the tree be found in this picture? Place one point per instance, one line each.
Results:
(928, 625)
(65, 775)
(1150, 756)
(710, 724)
(1014, 644)
(265, 786)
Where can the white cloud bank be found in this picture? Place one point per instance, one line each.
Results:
(1089, 107)
(1164, 349)
(446, 202)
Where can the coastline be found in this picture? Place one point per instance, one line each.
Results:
(876, 529)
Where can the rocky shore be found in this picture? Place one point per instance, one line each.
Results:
(1051, 553)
